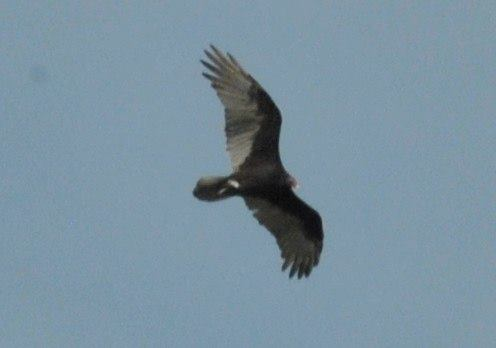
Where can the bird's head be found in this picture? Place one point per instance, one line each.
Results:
(292, 182)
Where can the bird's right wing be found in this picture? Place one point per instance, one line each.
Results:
(253, 121)
(295, 225)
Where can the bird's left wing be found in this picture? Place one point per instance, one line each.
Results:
(295, 225)
(253, 121)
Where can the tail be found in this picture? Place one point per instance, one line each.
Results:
(214, 188)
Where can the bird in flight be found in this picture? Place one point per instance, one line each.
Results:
(252, 127)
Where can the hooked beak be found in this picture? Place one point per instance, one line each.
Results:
(293, 183)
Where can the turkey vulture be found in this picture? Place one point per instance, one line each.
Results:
(253, 124)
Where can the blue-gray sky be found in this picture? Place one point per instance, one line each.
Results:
(106, 124)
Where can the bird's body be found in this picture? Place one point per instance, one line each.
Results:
(253, 124)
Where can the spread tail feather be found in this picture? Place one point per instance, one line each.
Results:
(213, 188)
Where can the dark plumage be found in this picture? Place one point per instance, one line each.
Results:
(253, 124)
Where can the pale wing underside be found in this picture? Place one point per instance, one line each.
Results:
(233, 85)
(299, 252)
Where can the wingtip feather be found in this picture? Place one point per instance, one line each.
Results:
(211, 67)
(208, 76)
(294, 268)
(285, 265)
(216, 50)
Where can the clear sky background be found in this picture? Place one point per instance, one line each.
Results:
(106, 124)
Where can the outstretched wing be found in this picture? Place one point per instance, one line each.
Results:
(253, 121)
(295, 225)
